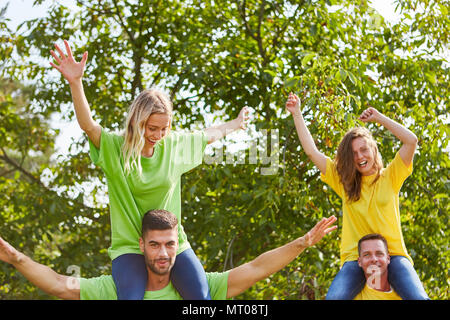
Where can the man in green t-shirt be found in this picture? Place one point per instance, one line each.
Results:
(159, 244)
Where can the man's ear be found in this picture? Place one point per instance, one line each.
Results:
(388, 259)
(141, 244)
(359, 262)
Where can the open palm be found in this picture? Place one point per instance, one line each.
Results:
(70, 69)
(322, 228)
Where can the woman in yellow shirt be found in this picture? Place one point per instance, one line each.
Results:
(370, 197)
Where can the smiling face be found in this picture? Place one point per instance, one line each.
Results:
(363, 156)
(159, 248)
(156, 128)
(374, 259)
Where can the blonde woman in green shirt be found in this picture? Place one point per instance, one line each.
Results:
(143, 170)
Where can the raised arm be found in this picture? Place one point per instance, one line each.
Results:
(52, 283)
(408, 138)
(73, 73)
(246, 275)
(306, 140)
(215, 133)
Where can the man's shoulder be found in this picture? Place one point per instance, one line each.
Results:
(98, 288)
(218, 284)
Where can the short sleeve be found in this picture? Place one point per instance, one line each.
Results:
(397, 172)
(188, 149)
(99, 288)
(331, 178)
(218, 284)
(107, 156)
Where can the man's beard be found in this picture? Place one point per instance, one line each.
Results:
(161, 272)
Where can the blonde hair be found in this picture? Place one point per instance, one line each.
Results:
(148, 102)
(349, 176)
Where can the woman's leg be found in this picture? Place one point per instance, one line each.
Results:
(348, 282)
(404, 279)
(130, 276)
(189, 277)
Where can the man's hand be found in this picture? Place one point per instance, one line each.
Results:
(8, 253)
(322, 228)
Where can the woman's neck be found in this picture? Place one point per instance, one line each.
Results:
(147, 152)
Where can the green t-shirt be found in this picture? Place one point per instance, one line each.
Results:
(103, 288)
(131, 196)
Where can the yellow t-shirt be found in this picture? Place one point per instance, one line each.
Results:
(377, 210)
(369, 293)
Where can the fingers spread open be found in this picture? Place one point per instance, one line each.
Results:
(54, 55)
(84, 58)
(69, 51)
(327, 231)
(55, 66)
(61, 53)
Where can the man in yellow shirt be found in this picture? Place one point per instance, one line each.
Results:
(374, 259)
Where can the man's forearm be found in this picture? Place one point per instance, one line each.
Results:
(274, 260)
(246, 275)
(243, 277)
(48, 280)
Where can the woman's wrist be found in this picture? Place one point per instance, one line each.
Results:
(381, 119)
(76, 83)
(236, 124)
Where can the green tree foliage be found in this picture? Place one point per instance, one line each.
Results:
(214, 58)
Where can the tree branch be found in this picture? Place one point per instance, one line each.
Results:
(247, 26)
(122, 23)
(262, 51)
(18, 167)
(256, 36)
(5, 173)
(35, 179)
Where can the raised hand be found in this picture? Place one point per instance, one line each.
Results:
(243, 118)
(293, 103)
(66, 64)
(322, 228)
(370, 115)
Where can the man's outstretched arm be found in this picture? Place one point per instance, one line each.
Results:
(243, 277)
(52, 283)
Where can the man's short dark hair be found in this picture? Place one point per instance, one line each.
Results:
(158, 220)
(372, 236)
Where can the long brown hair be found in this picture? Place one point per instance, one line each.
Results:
(350, 177)
(148, 102)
